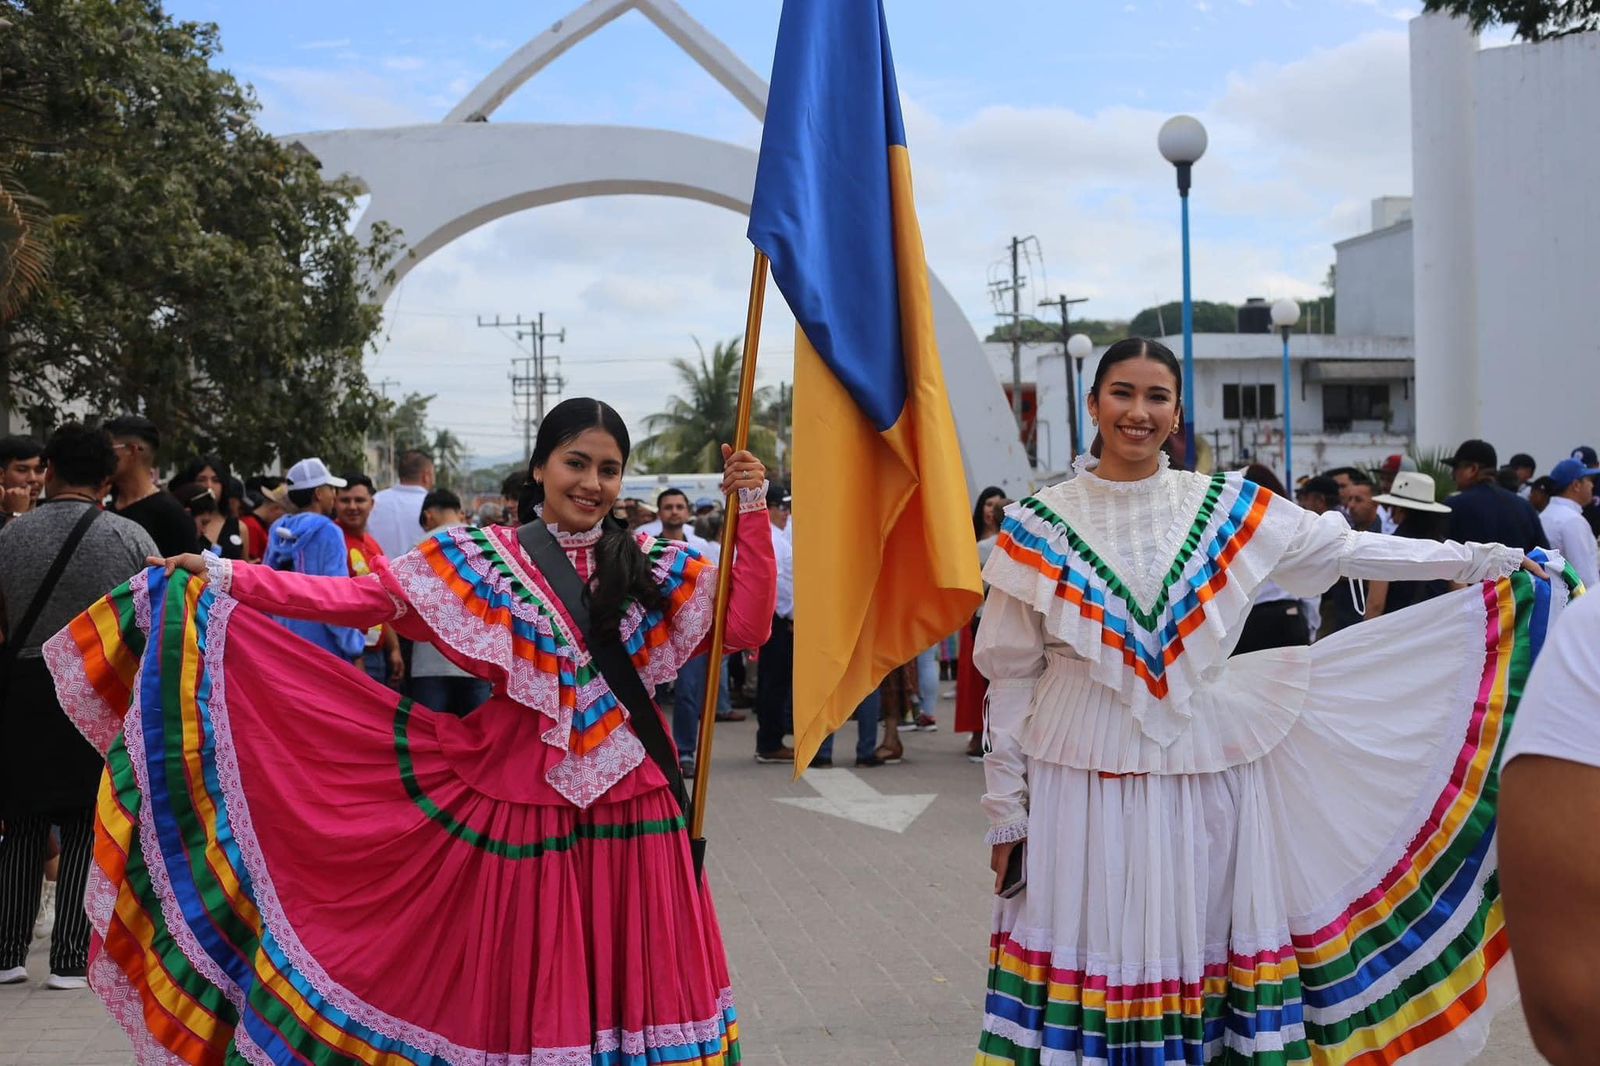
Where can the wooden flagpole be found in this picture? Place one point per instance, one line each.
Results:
(719, 623)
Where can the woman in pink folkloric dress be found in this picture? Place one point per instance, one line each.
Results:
(294, 864)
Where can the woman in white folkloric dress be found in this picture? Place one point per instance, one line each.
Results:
(1279, 857)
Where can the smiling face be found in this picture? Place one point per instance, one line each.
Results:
(354, 508)
(1136, 406)
(582, 479)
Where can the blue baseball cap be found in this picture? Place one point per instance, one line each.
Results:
(1567, 471)
(705, 503)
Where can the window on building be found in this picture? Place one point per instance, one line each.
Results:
(1345, 405)
(1249, 402)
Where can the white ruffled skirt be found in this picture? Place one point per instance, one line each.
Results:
(1334, 898)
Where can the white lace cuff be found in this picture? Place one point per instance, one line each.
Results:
(1491, 562)
(219, 572)
(753, 499)
(1008, 833)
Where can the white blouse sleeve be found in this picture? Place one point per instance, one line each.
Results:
(1009, 651)
(1324, 549)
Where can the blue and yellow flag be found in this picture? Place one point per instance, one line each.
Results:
(884, 556)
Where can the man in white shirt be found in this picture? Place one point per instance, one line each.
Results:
(397, 510)
(673, 520)
(775, 679)
(1571, 489)
(1549, 865)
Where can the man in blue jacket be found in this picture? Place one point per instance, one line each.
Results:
(308, 541)
(1483, 511)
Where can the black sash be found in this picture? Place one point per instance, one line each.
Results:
(610, 658)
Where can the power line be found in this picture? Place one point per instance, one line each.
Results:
(530, 380)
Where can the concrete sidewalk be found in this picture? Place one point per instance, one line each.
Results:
(850, 945)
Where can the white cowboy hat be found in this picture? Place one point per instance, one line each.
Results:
(1412, 491)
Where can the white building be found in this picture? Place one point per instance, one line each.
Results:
(1505, 147)
(1372, 275)
(1352, 399)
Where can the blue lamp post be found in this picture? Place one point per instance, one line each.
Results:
(1285, 313)
(1182, 142)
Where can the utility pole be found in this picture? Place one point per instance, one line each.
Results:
(1072, 393)
(530, 383)
(1014, 287)
(388, 431)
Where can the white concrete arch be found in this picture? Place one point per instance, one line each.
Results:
(716, 58)
(437, 182)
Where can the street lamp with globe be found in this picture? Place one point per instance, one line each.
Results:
(1285, 313)
(1078, 348)
(1182, 141)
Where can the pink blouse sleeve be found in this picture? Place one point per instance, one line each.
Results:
(754, 595)
(357, 602)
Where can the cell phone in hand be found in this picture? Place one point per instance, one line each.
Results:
(1016, 876)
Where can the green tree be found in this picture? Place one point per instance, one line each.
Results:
(1168, 319)
(686, 437)
(1048, 331)
(208, 280)
(1533, 20)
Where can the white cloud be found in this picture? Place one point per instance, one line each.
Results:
(308, 98)
(320, 46)
(1297, 151)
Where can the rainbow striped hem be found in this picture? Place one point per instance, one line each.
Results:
(1403, 966)
(191, 952)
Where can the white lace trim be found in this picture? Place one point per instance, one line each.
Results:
(582, 539)
(753, 499)
(219, 573)
(1007, 833)
(401, 607)
(1085, 465)
(98, 721)
(126, 1007)
(92, 716)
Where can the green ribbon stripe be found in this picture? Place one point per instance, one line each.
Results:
(504, 848)
(1192, 541)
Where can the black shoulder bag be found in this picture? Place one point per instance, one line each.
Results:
(14, 640)
(614, 664)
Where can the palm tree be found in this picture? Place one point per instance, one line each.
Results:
(449, 457)
(686, 437)
(24, 256)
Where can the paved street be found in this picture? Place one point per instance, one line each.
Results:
(850, 945)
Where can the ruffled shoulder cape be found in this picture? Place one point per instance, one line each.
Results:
(1153, 651)
(497, 617)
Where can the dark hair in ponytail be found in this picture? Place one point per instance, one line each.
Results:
(621, 571)
(1136, 348)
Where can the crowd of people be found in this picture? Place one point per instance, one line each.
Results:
(88, 509)
(307, 520)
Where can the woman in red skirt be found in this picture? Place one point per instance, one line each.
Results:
(295, 864)
(971, 686)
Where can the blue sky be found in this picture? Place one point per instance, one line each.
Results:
(1024, 117)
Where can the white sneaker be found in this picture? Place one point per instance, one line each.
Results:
(47, 912)
(14, 976)
(61, 983)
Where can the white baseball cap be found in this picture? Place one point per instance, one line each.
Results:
(312, 473)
